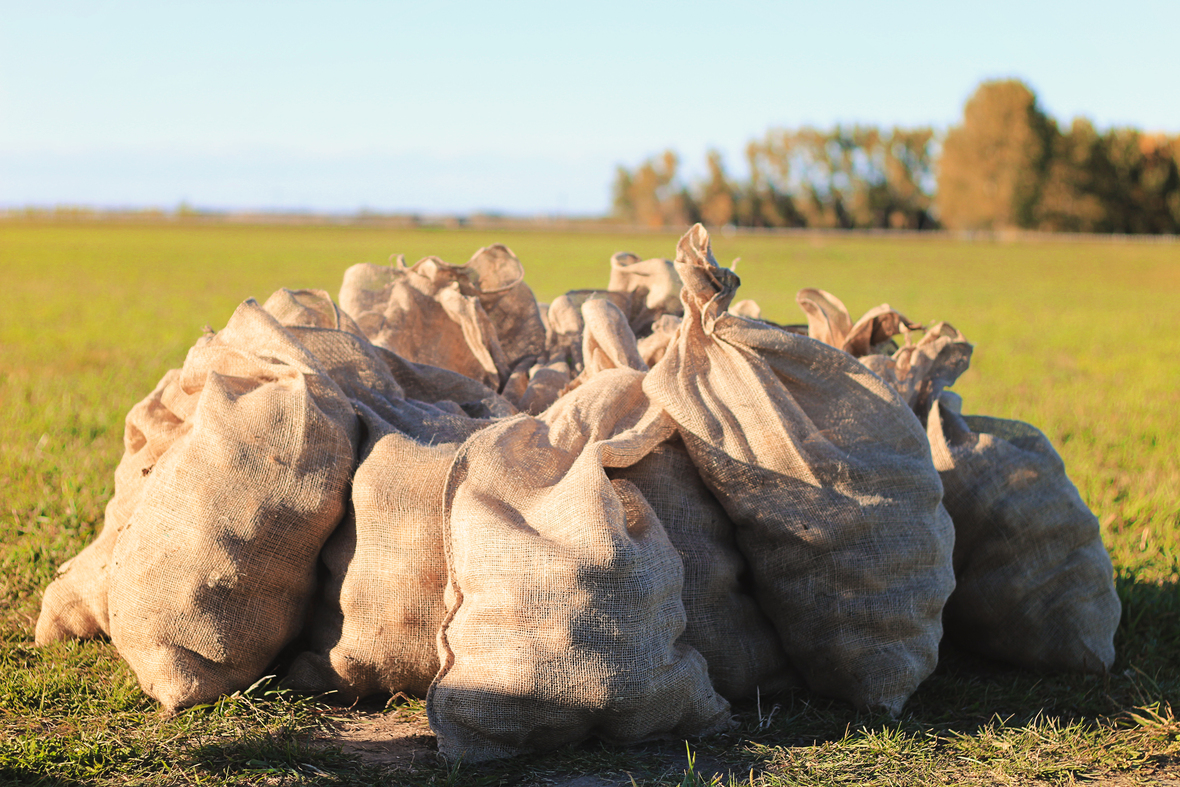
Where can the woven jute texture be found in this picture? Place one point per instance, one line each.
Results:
(564, 323)
(653, 346)
(921, 371)
(566, 617)
(309, 309)
(1035, 582)
(213, 571)
(509, 303)
(607, 341)
(478, 319)
(653, 289)
(75, 603)
(723, 620)
(381, 604)
(828, 478)
(828, 321)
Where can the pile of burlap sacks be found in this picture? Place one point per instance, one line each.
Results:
(608, 516)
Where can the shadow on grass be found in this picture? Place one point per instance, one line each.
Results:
(1149, 631)
(23, 777)
(972, 713)
(973, 719)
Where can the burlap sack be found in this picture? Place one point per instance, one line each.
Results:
(747, 308)
(545, 386)
(381, 603)
(75, 603)
(1035, 584)
(920, 371)
(564, 324)
(428, 312)
(827, 475)
(212, 574)
(309, 309)
(534, 386)
(723, 621)
(829, 322)
(509, 303)
(652, 287)
(566, 618)
(607, 342)
(478, 319)
(653, 346)
(372, 375)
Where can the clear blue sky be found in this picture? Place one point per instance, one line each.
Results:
(523, 107)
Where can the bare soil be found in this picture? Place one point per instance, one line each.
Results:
(385, 740)
(402, 742)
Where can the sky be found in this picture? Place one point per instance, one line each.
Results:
(522, 108)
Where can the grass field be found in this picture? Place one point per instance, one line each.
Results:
(1080, 339)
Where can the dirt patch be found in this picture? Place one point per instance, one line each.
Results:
(386, 740)
(590, 781)
(1160, 777)
(660, 761)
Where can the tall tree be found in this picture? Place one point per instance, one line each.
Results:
(1174, 198)
(805, 165)
(623, 207)
(1069, 201)
(909, 177)
(822, 161)
(1137, 179)
(765, 200)
(652, 194)
(717, 199)
(993, 166)
(1007, 165)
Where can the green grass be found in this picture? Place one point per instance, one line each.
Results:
(1081, 339)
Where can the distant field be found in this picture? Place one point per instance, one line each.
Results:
(1080, 339)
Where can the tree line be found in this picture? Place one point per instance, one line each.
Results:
(1007, 165)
